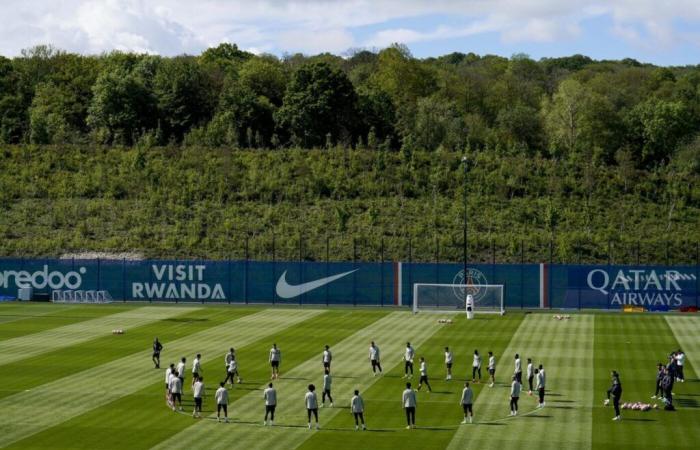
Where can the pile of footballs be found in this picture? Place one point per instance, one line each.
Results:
(448, 321)
(118, 331)
(639, 406)
(561, 317)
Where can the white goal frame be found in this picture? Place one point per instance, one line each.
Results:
(468, 289)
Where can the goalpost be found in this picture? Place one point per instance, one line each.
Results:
(487, 298)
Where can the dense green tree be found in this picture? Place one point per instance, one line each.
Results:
(227, 57)
(572, 106)
(264, 76)
(319, 101)
(437, 124)
(655, 128)
(183, 95)
(121, 108)
(378, 114)
(563, 115)
(241, 109)
(520, 127)
(11, 106)
(49, 113)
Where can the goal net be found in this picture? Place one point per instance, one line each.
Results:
(488, 298)
(80, 296)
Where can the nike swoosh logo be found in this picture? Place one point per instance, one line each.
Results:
(286, 290)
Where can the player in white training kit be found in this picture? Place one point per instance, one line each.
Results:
(467, 401)
(514, 396)
(424, 375)
(176, 389)
(357, 408)
(476, 367)
(221, 397)
(374, 358)
(492, 369)
(408, 360)
(198, 392)
(169, 376)
(327, 381)
(448, 363)
(539, 374)
(680, 360)
(327, 358)
(275, 359)
(181, 366)
(311, 402)
(196, 368)
(530, 375)
(270, 396)
(518, 372)
(230, 356)
(232, 372)
(408, 401)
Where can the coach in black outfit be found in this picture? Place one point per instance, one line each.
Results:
(616, 391)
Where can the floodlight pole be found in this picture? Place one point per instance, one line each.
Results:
(464, 165)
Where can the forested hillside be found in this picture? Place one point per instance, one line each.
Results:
(198, 202)
(194, 156)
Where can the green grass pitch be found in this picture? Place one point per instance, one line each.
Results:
(68, 382)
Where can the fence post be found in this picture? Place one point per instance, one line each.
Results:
(245, 273)
(410, 268)
(274, 269)
(354, 274)
(381, 258)
(124, 279)
(328, 253)
(522, 275)
(551, 270)
(301, 268)
(578, 254)
(437, 259)
(697, 273)
(230, 292)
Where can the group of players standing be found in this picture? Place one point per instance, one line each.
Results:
(536, 380)
(667, 375)
(175, 378)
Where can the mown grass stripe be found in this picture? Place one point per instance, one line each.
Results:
(350, 371)
(686, 329)
(439, 412)
(565, 349)
(31, 372)
(21, 320)
(16, 311)
(84, 391)
(55, 338)
(148, 420)
(633, 345)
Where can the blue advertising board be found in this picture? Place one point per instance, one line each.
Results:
(613, 287)
(347, 283)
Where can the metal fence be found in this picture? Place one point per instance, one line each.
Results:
(450, 249)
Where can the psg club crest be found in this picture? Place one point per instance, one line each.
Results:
(474, 280)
